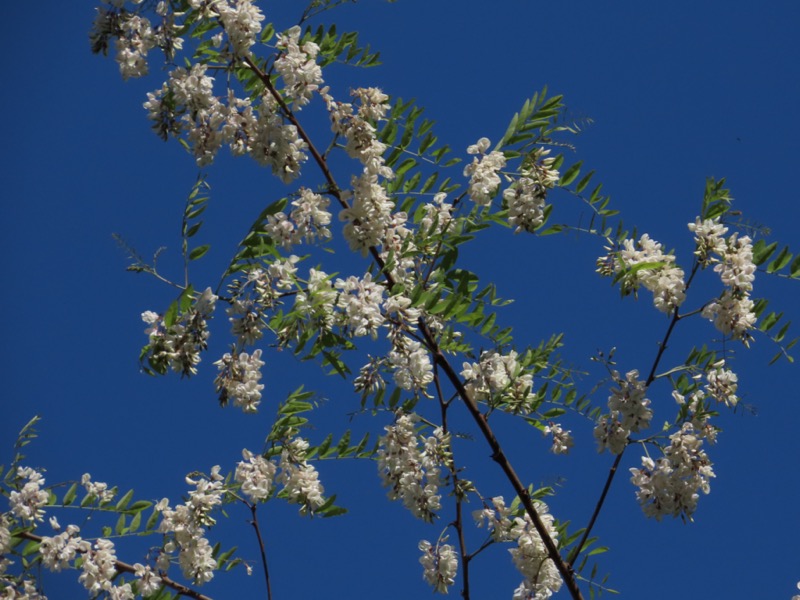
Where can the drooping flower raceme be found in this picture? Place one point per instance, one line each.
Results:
(525, 198)
(238, 380)
(99, 566)
(257, 475)
(297, 66)
(413, 475)
(178, 346)
(530, 556)
(439, 564)
(562, 439)
(97, 489)
(360, 301)
(645, 263)
(733, 312)
(185, 523)
(669, 486)
(412, 366)
(241, 20)
(299, 477)
(630, 412)
(500, 379)
(483, 174)
(60, 551)
(28, 503)
(722, 385)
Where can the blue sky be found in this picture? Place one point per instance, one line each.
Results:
(676, 92)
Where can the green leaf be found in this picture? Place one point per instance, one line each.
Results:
(69, 497)
(571, 174)
(199, 251)
(119, 528)
(124, 501)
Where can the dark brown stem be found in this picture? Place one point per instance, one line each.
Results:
(459, 522)
(498, 455)
(261, 547)
(124, 567)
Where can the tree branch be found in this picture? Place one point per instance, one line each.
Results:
(124, 567)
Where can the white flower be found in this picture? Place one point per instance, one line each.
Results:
(644, 263)
(499, 379)
(562, 440)
(708, 236)
(98, 566)
(670, 485)
(530, 556)
(97, 489)
(526, 197)
(256, 474)
(59, 551)
(610, 434)
(29, 502)
(360, 300)
(412, 366)
(733, 315)
(148, 582)
(722, 385)
(297, 66)
(299, 478)
(439, 563)
(242, 22)
(484, 179)
(629, 403)
(411, 475)
(238, 379)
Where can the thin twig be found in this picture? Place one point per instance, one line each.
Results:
(573, 556)
(261, 547)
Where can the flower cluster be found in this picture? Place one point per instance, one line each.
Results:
(412, 365)
(185, 524)
(28, 503)
(299, 478)
(238, 379)
(501, 380)
(135, 37)
(541, 577)
(297, 66)
(437, 216)
(97, 489)
(732, 312)
(722, 385)
(360, 302)
(525, 199)
(186, 104)
(241, 20)
(483, 174)
(98, 562)
(177, 345)
(257, 476)
(353, 124)
(630, 412)
(60, 551)
(439, 564)
(670, 485)
(562, 439)
(413, 475)
(308, 221)
(99, 568)
(316, 302)
(645, 263)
